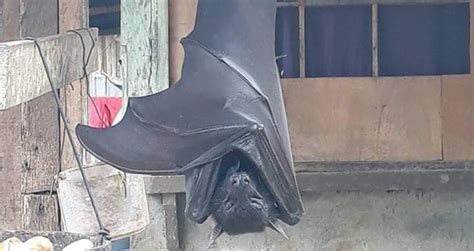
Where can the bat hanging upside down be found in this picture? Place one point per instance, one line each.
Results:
(223, 124)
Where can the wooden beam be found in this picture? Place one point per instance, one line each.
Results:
(386, 176)
(366, 176)
(22, 74)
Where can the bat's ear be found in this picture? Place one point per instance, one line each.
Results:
(233, 168)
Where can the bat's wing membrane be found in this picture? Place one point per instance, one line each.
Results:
(164, 132)
(229, 98)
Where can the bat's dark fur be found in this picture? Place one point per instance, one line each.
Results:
(242, 202)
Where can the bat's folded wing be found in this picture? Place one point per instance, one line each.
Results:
(161, 133)
(229, 98)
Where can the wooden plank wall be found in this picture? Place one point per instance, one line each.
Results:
(30, 132)
(28, 153)
(380, 119)
(366, 119)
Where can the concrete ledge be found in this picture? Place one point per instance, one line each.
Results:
(361, 176)
(22, 75)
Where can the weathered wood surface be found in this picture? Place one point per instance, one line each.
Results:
(144, 51)
(73, 100)
(11, 20)
(40, 213)
(20, 19)
(458, 117)
(10, 168)
(28, 129)
(182, 15)
(63, 54)
(38, 18)
(364, 119)
(39, 144)
(74, 14)
(366, 176)
(121, 202)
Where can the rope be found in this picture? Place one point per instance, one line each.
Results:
(103, 232)
(85, 63)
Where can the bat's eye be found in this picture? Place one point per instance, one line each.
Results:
(234, 182)
(246, 180)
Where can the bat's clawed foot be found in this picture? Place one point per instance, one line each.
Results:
(216, 232)
(211, 246)
(276, 225)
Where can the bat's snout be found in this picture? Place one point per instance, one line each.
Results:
(240, 180)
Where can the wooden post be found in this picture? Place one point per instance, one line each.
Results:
(144, 53)
(144, 57)
(26, 152)
(73, 14)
